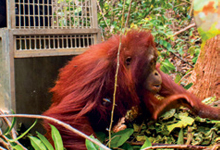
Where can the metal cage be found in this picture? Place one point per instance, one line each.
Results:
(52, 27)
(40, 37)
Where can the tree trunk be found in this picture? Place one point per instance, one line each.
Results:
(206, 74)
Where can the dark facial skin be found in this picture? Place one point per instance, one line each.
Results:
(153, 82)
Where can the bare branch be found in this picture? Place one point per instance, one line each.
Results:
(177, 147)
(13, 132)
(65, 125)
(182, 59)
(171, 146)
(129, 12)
(103, 15)
(116, 76)
(184, 29)
(4, 142)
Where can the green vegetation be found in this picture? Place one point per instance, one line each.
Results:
(178, 52)
(164, 19)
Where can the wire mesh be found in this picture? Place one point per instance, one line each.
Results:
(53, 14)
(48, 42)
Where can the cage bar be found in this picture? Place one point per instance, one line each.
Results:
(40, 37)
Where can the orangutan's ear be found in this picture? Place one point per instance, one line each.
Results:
(128, 61)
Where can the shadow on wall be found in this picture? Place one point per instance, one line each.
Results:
(3, 18)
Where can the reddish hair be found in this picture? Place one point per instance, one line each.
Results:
(89, 78)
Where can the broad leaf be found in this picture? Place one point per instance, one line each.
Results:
(37, 144)
(58, 143)
(92, 146)
(23, 134)
(146, 144)
(45, 141)
(17, 147)
(180, 137)
(121, 137)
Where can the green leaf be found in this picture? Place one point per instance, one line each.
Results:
(12, 124)
(45, 141)
(100, 136)
(141, 138)
(126, 146)
(121, 137)
(188, 86)
(164, 69)
(191, 50)
(146, 144)
(177, 78)
(17, 147)
(209, 100)
(11, 127)
(169, 114)
(180, 51)
(23, 134)
(37, 144)
(165, 43)
(92, 146)
(180, 137)
(58, 143)
(185, 121)
(194, 60)
(167, 66)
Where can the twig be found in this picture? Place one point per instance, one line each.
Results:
(178, 32)
(3, 142)
(184, 29)
(191, 9)
(102, 34)
(13, 132)
(186, 75)
(103, 15)
(189, 136)
(112, 4)
(116, 78)
(177, 146)
(182, 4)
(169, 146)
(186, 1)
(216, 147)
(129, 11)
(65, 125)
(182, 59)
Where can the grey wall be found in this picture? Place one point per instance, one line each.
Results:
(33, 79)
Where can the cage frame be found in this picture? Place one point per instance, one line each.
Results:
(8, 52)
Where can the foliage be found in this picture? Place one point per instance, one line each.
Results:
(121, 137)
(174, 127)
(207, 16)
(70, 15)
(91, 145)
(37, 143)
(164, 19)
(177, 128)
(146, 144)
(41, 143)
(118, 139)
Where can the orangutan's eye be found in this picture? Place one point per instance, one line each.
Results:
(152, 61)
(128, 61)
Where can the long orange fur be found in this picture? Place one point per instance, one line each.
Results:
(89, 78)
